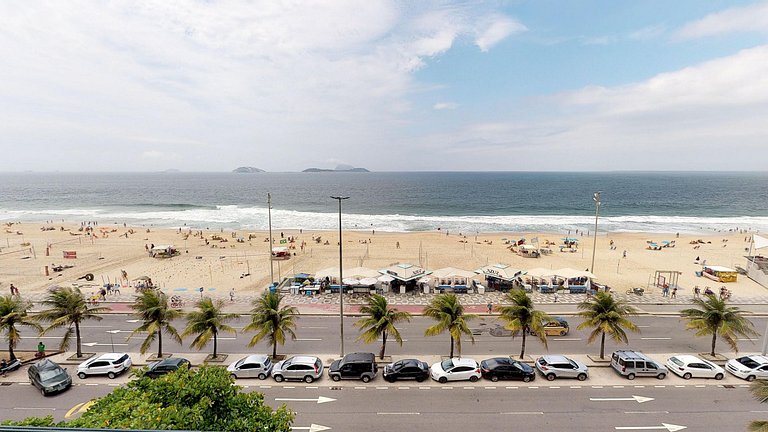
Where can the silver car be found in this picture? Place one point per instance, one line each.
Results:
(558, 366)
(305, 368)
(254, 366)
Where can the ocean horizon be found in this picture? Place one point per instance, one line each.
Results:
(466, 201)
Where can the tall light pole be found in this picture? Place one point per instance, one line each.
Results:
(596, 199)
(269, 213)
(341, 277)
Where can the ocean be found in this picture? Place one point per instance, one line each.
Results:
(467, 202)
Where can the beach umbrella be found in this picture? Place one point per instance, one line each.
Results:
(351, 281)
(143, 278)
(369, 281)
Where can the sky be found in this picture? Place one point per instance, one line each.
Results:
(544, 85)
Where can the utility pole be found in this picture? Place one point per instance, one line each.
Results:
(341, 278)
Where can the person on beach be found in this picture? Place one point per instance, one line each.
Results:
(696, 292)
(624, 255)
(674, 292)
(490, 308)
(232, 295)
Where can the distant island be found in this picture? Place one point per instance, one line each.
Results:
(247, 170)
(340, 168)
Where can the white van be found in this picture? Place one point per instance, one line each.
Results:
(634, 363)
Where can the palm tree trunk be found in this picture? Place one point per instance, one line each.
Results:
(714, 341)
(77, 339)
(451, 346)
(602, 346)
(215, 344)
(274, 349)
(383, 345)
(11, 355)
(159, 344)
(522, 349)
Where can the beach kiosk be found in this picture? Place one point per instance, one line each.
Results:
(719, 273)
(404, 276)
(501, 277)
(353, 278)
(450, 279)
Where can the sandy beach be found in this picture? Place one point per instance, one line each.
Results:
(216, 259)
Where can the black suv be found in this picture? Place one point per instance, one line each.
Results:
(49, 377)
(360, 366)
(166, 366)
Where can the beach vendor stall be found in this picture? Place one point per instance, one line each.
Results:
(719, 273)
(405, 276)
(281, 253)
(575, 281)
(501, 277)
(450, 279)
(353, 277)
(528, 251)
(165, 251)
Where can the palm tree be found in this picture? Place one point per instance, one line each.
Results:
(153, 309)
(522, 317)
(759, 391)
(13, 312)
(379, 321)
(450, 316)
(206, 322)
(271, 320)
(606, 315)
(712, 316)
(67, 307)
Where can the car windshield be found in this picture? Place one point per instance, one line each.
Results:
(447, 364)
(677, 361)
(748, 362)
(121, 359)
(51, 374)
(398, 365)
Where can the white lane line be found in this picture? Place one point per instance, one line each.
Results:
(398, 413)
(659, 386)
(91, 384)
(360, 388)
(597, 387)
(311, 387)
(403, 388)
(618, 386)
(320, 327)
(511, 388)
(26, 383)
(382, 387)
(522, 413)
(424, 388)
(646, 412)
(35, 408)
(290, 387)
(656, 338)
(447, 388)
(265, 387)
(643, 326)
(568, 339)
(307, 339)
(575, 387)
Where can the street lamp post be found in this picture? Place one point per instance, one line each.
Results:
(111, 340)
(341, 278)
(596, 199)
(269, 213)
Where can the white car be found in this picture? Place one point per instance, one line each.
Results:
(455, 369)
(110, 364)
(254, 366)
(749, 367)
(688, 366)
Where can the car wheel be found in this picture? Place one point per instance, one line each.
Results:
(494, 378)
(719, 376)
(365, 378)
(751, 378)
(442, 380)
(43, 392)
(582, 377)
(336, 378)
(418, 379)
(308, 379)
(111, 375)
(563, 332)
(391, 379)
(81, 375)
(278, 378)
(661, 376)
(262, 376)
(473, 378)
(551, 377)
(687, 376)
(631, 376)
(527, 378)
(233, 376)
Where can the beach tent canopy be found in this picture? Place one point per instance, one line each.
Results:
(760, 242)
(351, 281)
(720, 269)
(142, 278)
(452, 272)
(500, 271)
(570, 273)
(405, 272)
(355, 272)
(369, 281)
(279, 249)
(540, 272)
(162, 248)
(385, 278)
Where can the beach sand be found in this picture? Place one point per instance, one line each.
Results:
(229, 264)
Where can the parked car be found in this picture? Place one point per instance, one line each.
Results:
(633, 364)
(166, 366)
(110, 364)
(556, 327)
(254, 366)
(558, 366)
(306, 368)
(506, 368)
(406, 369)
(360, 366)
(455, 369)
(748, 367)
(688, 366)
(49, 377)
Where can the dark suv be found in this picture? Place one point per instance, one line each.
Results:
(360, 366)
(166, 366)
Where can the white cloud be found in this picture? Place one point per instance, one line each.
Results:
(751, 18)
(445, 105)
(494, 29)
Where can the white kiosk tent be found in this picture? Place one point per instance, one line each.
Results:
(757, 265)
(353, 273)
(404, 275)
(501, 277)
(450, 279)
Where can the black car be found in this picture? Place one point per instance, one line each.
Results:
(406, 369)
(166, 366)
(49, 377)
(505, 368)
(360, 366)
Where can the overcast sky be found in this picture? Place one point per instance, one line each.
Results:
(390, 86)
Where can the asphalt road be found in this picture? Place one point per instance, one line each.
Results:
(511, 406)
(319, 335)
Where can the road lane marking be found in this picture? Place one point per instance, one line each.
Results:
(306, 339)
(381, 387)
(568, 339)
(656, 338)
(646, 412)
(522, 413)
(398, 413)
(35, 408)
(638, 399)
(317, 400)
(320, 327)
